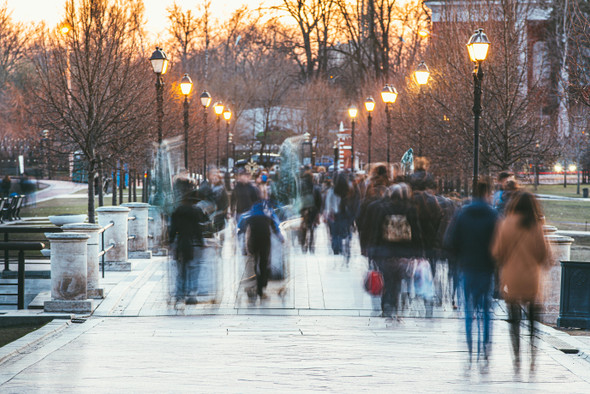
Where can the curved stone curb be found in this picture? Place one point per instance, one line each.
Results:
(31, 339)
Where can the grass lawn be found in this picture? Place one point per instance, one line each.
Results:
(75, 205)
(557, 190)
(567, 215)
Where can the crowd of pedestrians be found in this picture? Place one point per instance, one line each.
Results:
(491, 242)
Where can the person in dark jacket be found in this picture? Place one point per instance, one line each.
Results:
(260, 220)
(394, 237)
(311, 208)
(185, 234)
(469, 238)
(244, 195)
(5, 188)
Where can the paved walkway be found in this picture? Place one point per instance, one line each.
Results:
(318, 331)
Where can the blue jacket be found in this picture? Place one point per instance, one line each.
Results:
(470, 234)
(259, 209)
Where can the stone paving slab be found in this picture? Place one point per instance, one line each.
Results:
(281, 354)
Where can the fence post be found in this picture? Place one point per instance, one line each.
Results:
(68, 273)
(138, 246)
(116, 258)
(93, 286)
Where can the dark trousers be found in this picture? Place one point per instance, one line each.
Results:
(261, 253)
(514, 317)
(393, 271)
(307, 229)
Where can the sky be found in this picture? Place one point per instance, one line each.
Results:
(51, 11)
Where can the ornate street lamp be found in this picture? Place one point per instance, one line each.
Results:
(186, 85)
(159, 62)
(421, 74)
(205, 103)
(352, 112)
(388, 95)
(227, 117)
(218, 109)
(477, 47)
(369, 106)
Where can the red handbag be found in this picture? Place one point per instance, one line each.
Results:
(374, 283)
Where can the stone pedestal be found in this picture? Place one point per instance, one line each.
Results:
(68, 273)
(93, 273)
(560, 251)
(138, 246)
(116, 259)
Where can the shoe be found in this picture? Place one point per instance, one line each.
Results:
(263, 295)
(191, 301)
(179, 305)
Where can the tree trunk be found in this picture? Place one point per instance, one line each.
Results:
(135, 186)
(100, 184)
(129, 187)
(114, 199)
(91, 174)
(121, 183)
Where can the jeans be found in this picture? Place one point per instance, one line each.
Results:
(477, 288)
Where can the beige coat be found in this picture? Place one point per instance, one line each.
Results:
(521, 255)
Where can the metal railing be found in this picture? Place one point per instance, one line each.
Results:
(105, 250)
(20, 247)
(7, 230)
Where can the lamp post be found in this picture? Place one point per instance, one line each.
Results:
(388, 95)
(205, 103)
(335, 156)
(369, 106)
(186, 85)
(421, 75)
(159, 62)
(218, 109)
(537, 165)
(45, 146)
(306, 149)
(227, 117)
(352, 112)
(477, 46)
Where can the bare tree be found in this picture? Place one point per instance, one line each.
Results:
(92, 83)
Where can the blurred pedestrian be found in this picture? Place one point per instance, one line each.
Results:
(5, 186)
(311, 208)
(394, 239)
(521, 252)
(244, 194)
(258, 223)
(469, 237)
(185, 236)
(498, 201)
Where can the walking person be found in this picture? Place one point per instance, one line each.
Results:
(311, 207)
(5, 186)
(258, 224)
(394, 239)
(185, 236)
(521, 252)
(469, 238)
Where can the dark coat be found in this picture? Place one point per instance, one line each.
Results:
(430, 215)
(374, 225)
(469, 237)
(185, 229)
(243, 197)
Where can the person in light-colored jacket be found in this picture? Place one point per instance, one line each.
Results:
(521, 253)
